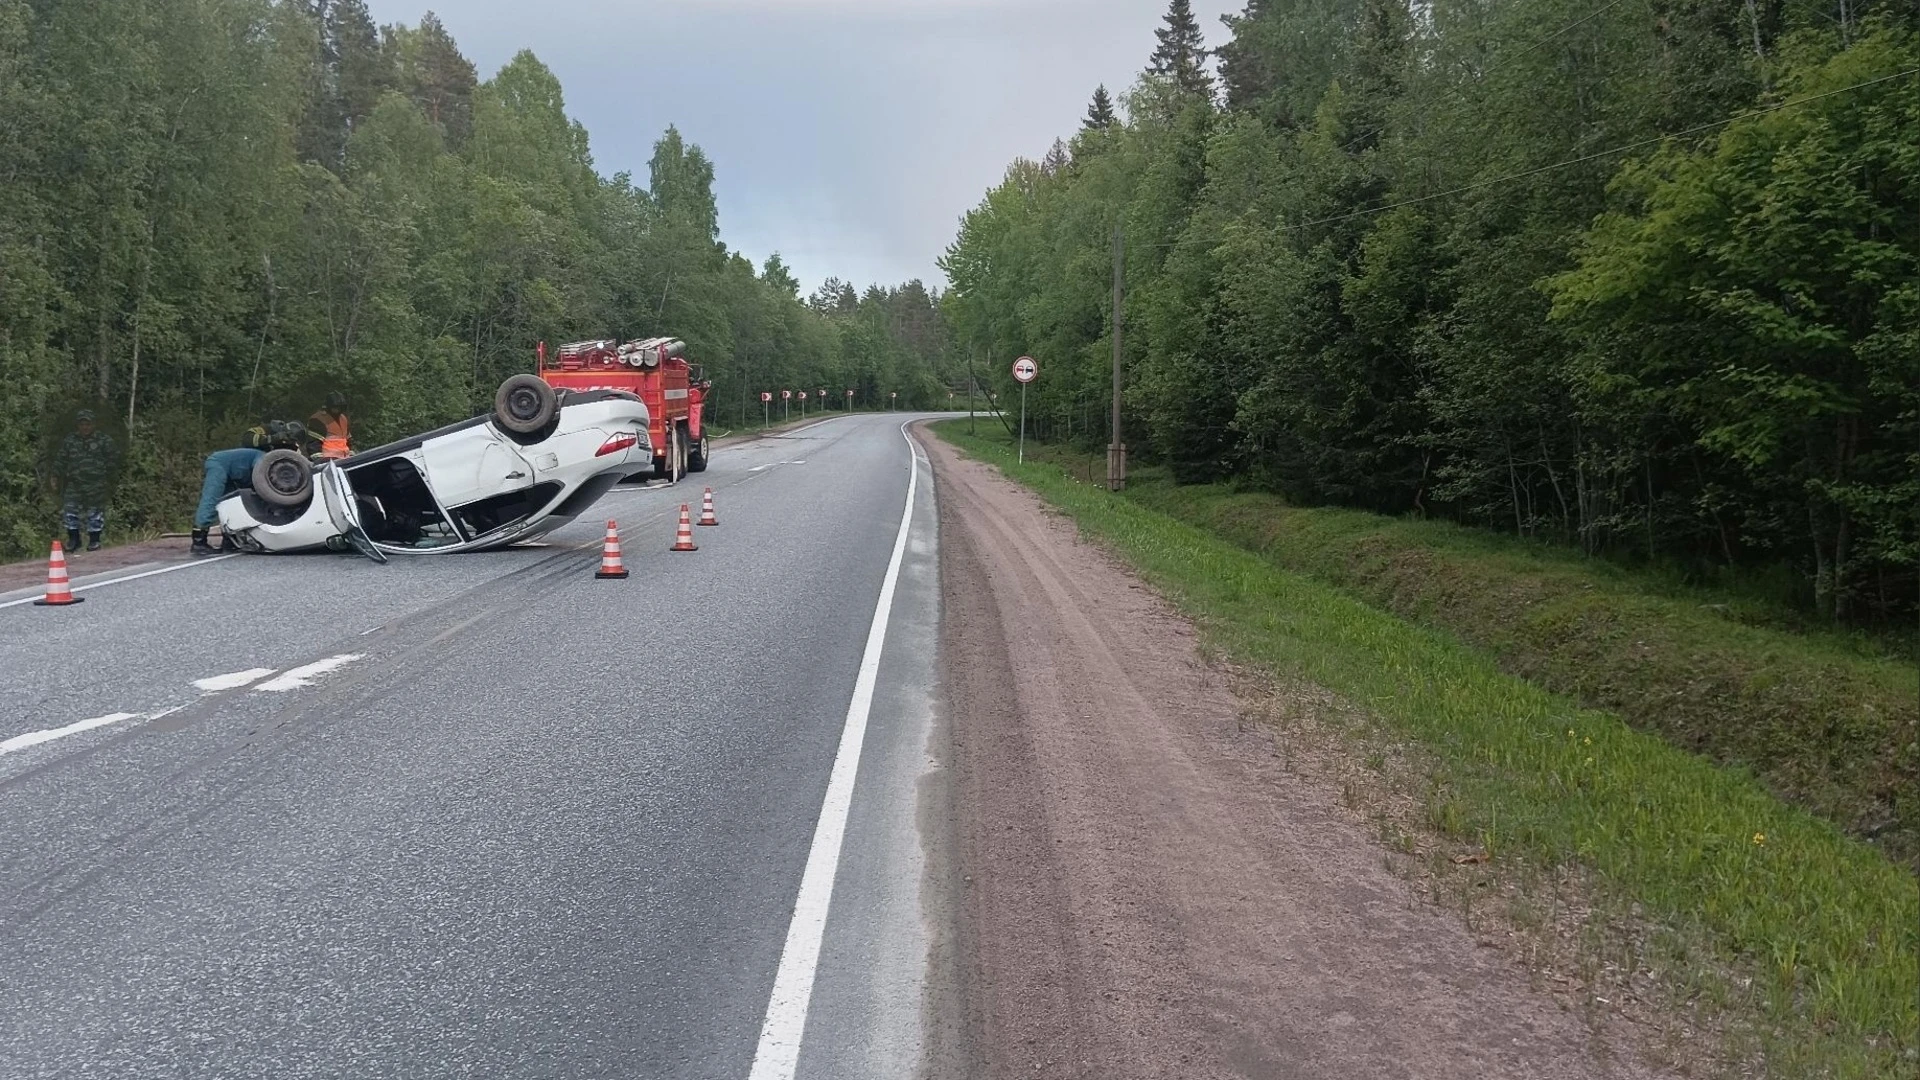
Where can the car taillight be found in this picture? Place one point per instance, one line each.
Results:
(621, 440)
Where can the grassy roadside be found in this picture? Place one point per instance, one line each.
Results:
(1730, 879)
(1826, 721)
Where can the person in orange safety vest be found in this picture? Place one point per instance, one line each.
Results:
(330, 424)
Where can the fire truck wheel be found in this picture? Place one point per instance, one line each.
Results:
(524, 404)
(697, 454)
(283, 478)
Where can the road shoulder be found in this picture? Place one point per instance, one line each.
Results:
(1144, 890)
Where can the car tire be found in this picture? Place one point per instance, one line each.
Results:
(525, 404)
(697, 455)
(283, 478)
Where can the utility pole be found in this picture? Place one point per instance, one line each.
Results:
(1117, 449)
(970, 382)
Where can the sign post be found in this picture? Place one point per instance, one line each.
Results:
(786, 405)
(765, 405)
(1024, 369)
(803, 404)
(849, 399)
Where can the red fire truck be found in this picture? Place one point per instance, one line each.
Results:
(657, 372)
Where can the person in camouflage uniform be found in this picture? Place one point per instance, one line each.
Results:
(83, 469)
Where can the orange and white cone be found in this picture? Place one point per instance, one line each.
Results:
(684, 541)
(610, 566)
(59, 593)
(706, 509)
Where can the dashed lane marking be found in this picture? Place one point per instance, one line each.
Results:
(35, 738)
(233, 679)
(295, 678)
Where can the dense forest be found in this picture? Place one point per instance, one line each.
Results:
(1638, 277)
(212, 211)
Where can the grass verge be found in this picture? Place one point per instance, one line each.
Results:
(1817, 934)
(1826, 721)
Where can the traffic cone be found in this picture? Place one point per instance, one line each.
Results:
(58, 591)
(610, 566)
(684, 541)
(706, 509)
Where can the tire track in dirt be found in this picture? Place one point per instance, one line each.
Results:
(1145, 891)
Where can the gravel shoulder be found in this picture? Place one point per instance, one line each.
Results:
(1143, 890)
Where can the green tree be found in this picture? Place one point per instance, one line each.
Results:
(1100, 115)
(1181, 55)
(1761, 295)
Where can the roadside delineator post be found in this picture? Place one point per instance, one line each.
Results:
(706, 509)
(610, 566)
(59, 593)
(684, 540)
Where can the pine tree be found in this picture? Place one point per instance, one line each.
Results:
(1099, 114)
(349, 75)
(439, 79)
(1182, 53)
(1056, 160)
(1246, 70)
(1376, 73)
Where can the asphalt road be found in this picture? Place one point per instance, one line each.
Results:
(485, 815)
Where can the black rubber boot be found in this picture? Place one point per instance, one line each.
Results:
(73, 539)
(93, 541)
(200, 545)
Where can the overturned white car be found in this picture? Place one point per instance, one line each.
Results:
(540, 459)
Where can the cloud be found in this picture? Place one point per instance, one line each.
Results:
(849, 135)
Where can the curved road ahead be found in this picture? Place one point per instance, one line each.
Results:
(486, 815)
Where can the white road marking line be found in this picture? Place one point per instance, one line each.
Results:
(778, 1053)
(296, 678)
(129, 577)
(35, 738)
(790, 432)
(771, 464)
(233, 679)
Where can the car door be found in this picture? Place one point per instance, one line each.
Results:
(473, 464)
(337, 490)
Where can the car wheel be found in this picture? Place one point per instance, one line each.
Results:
(524, 404)
(283, 478)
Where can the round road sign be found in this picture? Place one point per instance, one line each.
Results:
(803, 395)
(785, 394)
(1025, 369)
(849, 393)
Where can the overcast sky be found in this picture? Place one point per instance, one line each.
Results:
(849, 135)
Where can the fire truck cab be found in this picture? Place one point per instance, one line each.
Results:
(657, 372)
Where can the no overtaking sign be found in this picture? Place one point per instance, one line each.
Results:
(1024, 369)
